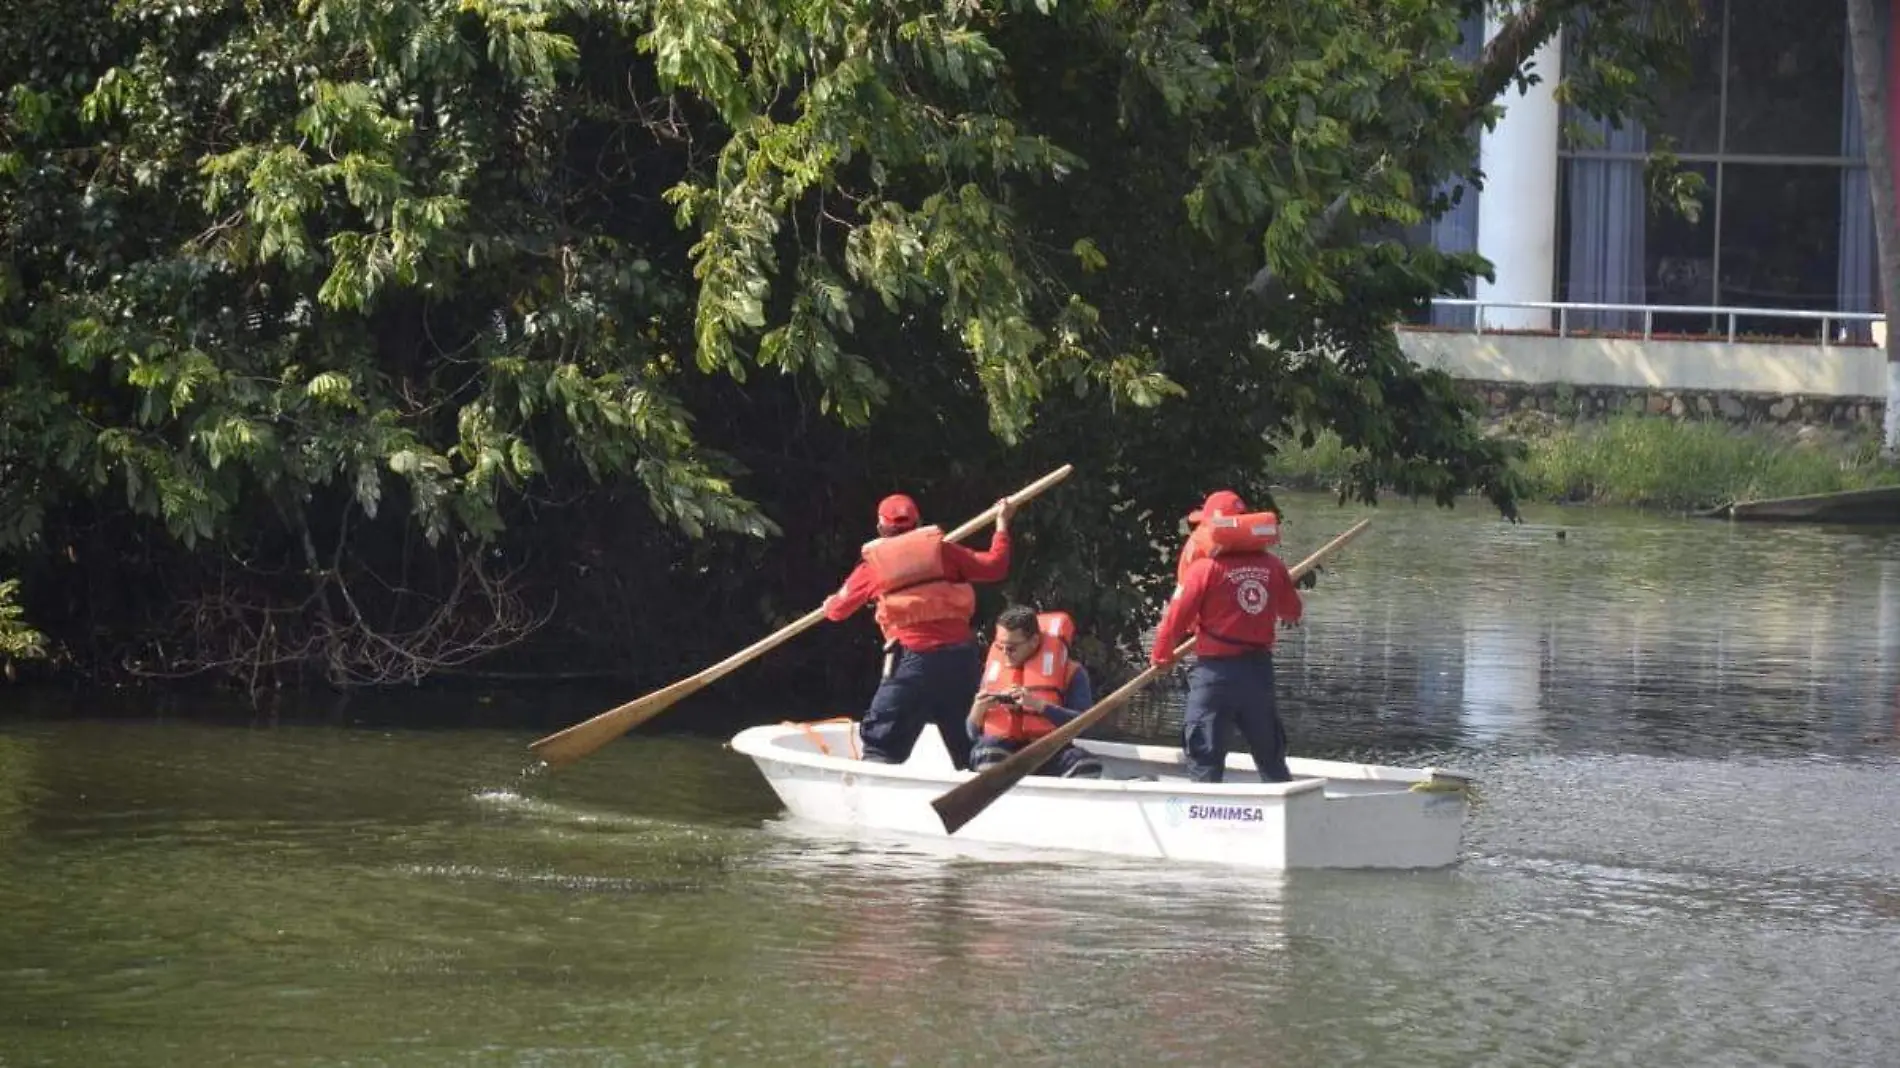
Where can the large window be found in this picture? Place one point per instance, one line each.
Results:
(1680, 266)
(1781, 236)
(1693, 118)
(1768, 118)
(1785, 66)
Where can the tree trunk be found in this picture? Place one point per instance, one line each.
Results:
(1870, 77)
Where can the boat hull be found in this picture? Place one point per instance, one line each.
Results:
(1333, 815)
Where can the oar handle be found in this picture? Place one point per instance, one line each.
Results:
(1020, 497)
(963, 802)
(1320, 554)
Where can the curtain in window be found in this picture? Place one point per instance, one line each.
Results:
(1608, 209)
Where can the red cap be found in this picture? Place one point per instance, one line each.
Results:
(1219, 502)
(897, 511)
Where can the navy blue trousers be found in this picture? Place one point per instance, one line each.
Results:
(1069, 762)
(1226, 692)
(933, 687)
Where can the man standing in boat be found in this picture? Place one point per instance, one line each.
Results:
(922, 586)
(1030, 687)
(1231, 596)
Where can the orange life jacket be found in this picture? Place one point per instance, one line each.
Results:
(908, 570)
(1046, 674)
(1250, 533)
(1255, 532)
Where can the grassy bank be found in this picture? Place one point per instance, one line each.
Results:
(1649, 462)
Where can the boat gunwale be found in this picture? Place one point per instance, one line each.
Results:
(760, 743)
(1341, 770)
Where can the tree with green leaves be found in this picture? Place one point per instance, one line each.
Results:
(356, 339)
(17, 640)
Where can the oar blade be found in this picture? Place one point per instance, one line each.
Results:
(565, 747)
(963, 802)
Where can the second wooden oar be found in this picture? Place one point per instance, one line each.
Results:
(963, 802)
(565, 747)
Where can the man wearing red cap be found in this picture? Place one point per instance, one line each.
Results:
(922, 586)
(1231, 596)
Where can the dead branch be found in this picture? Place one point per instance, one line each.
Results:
(243, 630)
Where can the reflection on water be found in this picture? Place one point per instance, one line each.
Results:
(1684, 854)
(1629, 633)
(16, 785)
(1503, 675)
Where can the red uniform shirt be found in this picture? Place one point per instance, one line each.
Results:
(1232, 602)
(959, 565)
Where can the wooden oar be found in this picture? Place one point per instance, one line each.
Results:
(961, 804)
(582, 738)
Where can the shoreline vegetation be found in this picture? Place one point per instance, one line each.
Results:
(1644, 461)
(18, 641)
(318, 375)
(1626, 460)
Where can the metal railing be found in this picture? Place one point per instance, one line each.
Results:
(1650, 311)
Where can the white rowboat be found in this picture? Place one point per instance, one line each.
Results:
(1332, 815)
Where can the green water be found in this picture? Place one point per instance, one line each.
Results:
(1686, 853)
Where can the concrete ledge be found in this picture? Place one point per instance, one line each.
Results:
(1770, 369)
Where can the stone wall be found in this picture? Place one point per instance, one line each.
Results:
(1796, 383)
(1735, 406)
